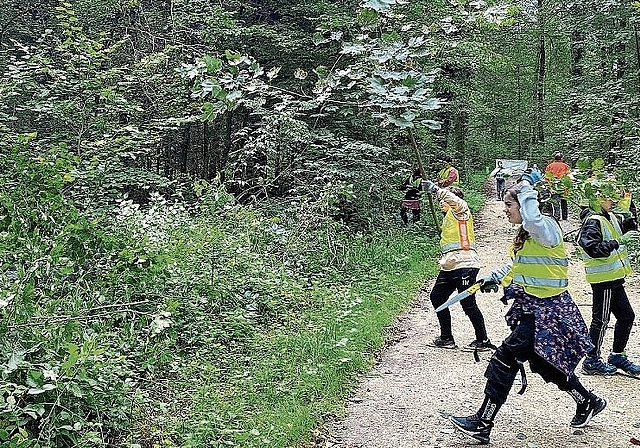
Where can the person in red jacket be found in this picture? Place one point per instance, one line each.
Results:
(559, 168)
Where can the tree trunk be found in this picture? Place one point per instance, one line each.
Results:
(517, 67)
(577, 71)
(538, 135)
(619, 69)
(184, 147)
(635, 34)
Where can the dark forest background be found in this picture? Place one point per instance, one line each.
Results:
(198, 207)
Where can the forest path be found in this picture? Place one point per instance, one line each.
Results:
(404, 400)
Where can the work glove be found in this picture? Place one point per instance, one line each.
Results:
(430, 187)
(489, 285)
(531, 176)
(491, 282)
(629, 237)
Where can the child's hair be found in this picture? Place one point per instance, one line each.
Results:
(522, 234)
(455, 190)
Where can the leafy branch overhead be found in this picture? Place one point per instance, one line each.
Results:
(589, 183)
(389, 68)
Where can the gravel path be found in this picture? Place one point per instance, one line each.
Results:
(404, 400)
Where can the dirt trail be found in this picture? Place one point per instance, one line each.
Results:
(405, 399)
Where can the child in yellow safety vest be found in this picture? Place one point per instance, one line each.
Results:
(448, 176)
(603, 237)
(459, 266)
(547, 329)
(413, 187)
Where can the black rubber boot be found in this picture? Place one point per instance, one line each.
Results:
(478, 425)
(474, 427)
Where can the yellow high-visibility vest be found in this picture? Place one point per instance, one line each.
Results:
(613, 267)
(456, 235)
(541, 271)
(625, 202)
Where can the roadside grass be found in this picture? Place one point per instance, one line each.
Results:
(283, 382)
(293, 376)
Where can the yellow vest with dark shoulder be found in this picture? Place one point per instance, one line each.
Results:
(541, 271)
(444, 174)
(456, 235)
(613, 267)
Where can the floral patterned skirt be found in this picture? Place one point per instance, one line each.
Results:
(561, 334)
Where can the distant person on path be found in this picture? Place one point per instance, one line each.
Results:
(535, 170)
(411, 201)
(447, 176)
(559, 168)
(500, 174)
(547, 328)
(459, 266)
(603, 238)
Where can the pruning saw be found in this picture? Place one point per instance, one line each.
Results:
(463, 295)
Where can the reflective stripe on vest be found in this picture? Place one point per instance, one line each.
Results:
(541, 271)
(456, 235)
(613, 267)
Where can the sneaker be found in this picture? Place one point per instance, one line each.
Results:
(474, 427)
(481, 346)
(587, 410)
(595, 366)
(444, 343)
(621, 362)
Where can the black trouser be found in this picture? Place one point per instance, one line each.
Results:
(415, 213)
(610, 298)
(515, 350)
(559, 207)
(446, 283)
(500, 184)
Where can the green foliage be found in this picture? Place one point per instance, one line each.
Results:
(588, 184)
(137, 310)
(59, 383)
(288, 376)
(594, 183)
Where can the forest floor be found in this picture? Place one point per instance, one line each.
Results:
(404, 401)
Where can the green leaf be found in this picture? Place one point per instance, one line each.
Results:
(583, 164)
(35, 391)
(597, 165)
(432, 124)
(232, 55)
(40, 390)
(35, 378)
(213, 64)
(401, 122)
(14, 360)
(72, 359)
(409, 81)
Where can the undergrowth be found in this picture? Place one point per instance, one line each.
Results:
(179, 323)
